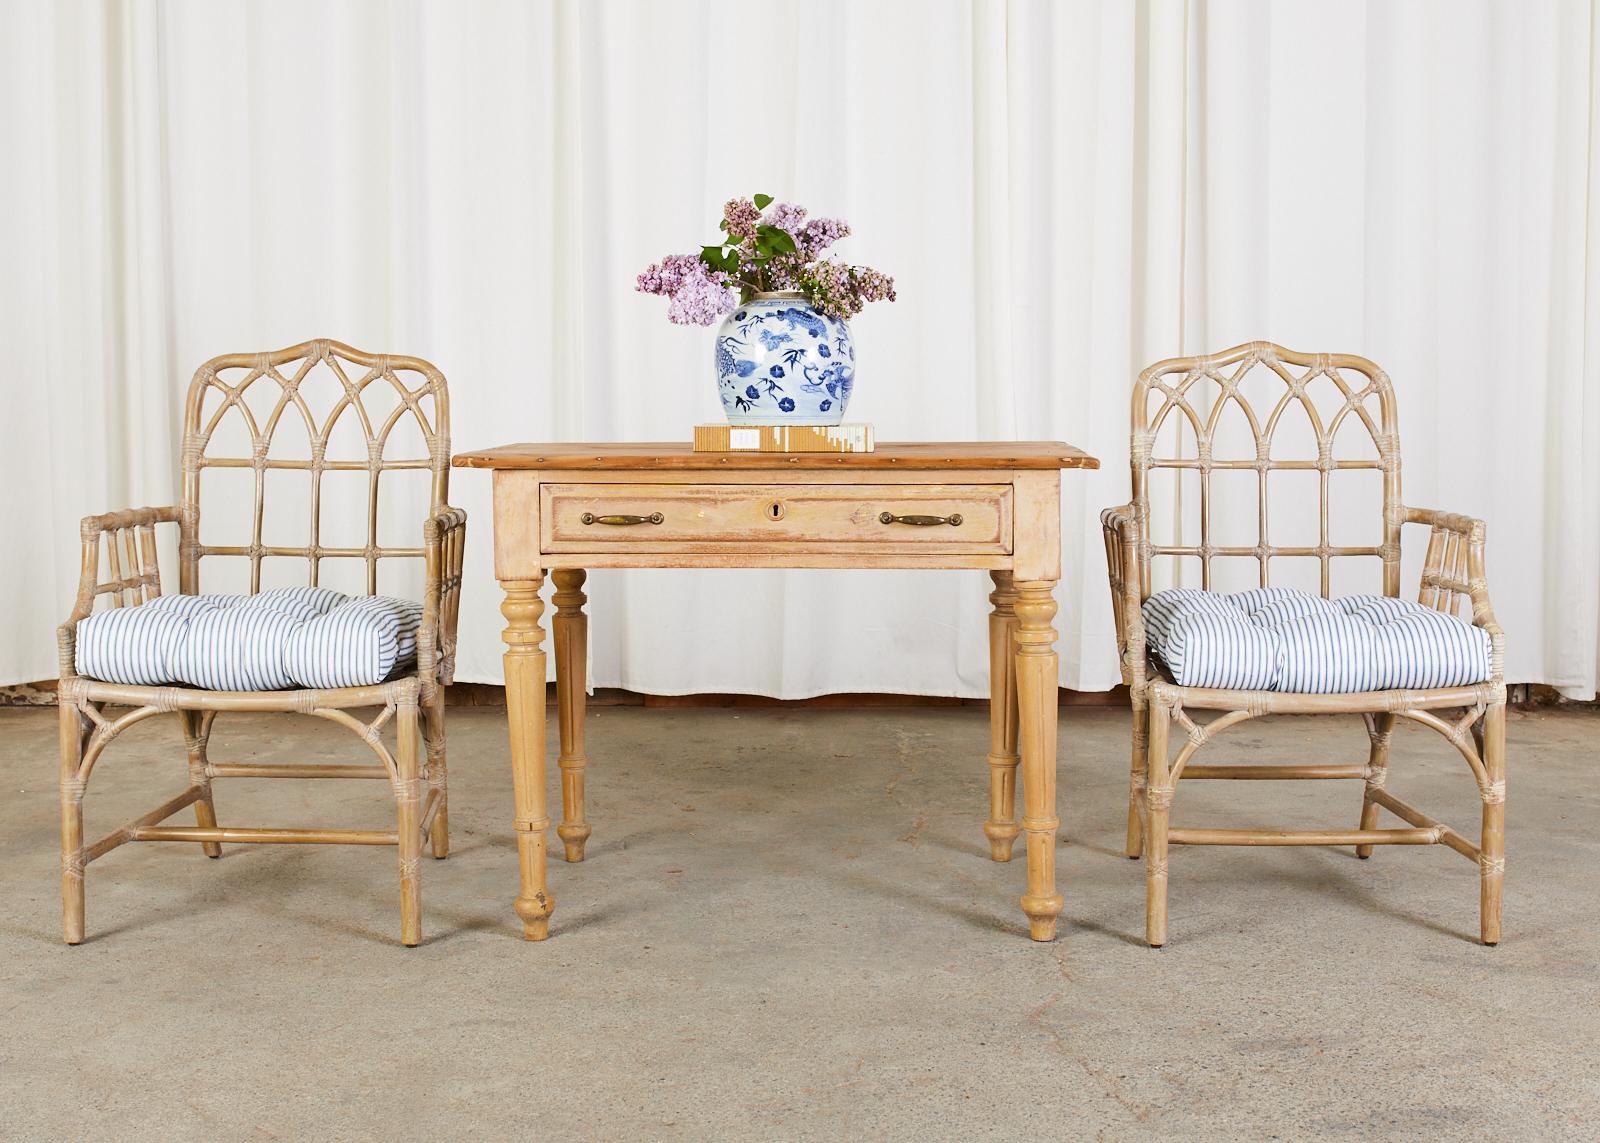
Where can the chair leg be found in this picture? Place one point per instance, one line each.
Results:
(1158, 803)
(1492, 844)
(408, 821)
(1136, 783)
(1380, 729)
(72, 855)
(196, 734)
(433, 739)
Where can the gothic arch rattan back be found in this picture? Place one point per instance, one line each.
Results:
(1182, 406)
(248, 410)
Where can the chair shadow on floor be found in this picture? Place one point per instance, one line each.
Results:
(1311, 881)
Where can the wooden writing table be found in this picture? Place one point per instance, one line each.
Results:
(570, 507)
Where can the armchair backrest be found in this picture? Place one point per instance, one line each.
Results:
(1251, 413)
(287, 422)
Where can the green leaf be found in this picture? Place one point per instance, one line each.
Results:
(763, 201)
(776, 240)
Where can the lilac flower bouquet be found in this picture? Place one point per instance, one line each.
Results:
(767, 248)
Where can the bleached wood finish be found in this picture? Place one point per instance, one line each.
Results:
(724, 517)
(571, 628)
(1037, 682)
(120, 566)
(1001, 829)
(525, 677)
(1197, 392)
(922, 456)
(671, 507)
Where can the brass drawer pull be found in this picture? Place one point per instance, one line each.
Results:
(954, 519)
(653, 518)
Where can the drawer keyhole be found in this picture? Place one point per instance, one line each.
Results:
(775, 510)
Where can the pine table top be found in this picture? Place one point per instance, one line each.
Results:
(668, 455)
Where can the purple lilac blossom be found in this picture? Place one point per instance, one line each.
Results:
(840, 291)
(699, 294)
(819, 234)
(741, 216)
(871, 285)
(785, 216)
(666, 276)
(699, 297)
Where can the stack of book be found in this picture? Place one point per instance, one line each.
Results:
(723, 437)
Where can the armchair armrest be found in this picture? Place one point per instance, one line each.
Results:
(1124, 536)
(444, 537)
(1453, 569)
(134, 576)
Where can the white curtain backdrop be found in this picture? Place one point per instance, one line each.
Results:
(1064, 192)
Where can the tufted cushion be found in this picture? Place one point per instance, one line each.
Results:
(1281, 639)
(358, 642)
(286, 637)
(138, 645)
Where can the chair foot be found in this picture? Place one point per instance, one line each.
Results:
(205, 816)
(439, 835)
(72, 899)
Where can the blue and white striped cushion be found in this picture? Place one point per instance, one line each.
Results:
(274, 640)
(358, 642)
(139, 645)
(302, 603)
(1282, 639)
(237, 648)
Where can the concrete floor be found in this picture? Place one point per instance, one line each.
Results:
(788, 928)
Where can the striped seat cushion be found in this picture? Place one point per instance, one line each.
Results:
(139, 645)
(273, 640)
(358, 642)
(1282, 639)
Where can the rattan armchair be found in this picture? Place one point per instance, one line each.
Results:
(1178, 408)
(261, 399)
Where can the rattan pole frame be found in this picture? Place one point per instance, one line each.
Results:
(120, 565)
(1472, 718)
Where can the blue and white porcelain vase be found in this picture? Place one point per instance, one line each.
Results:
(781, 361)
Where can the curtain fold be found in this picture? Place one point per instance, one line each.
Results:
(1065, 192)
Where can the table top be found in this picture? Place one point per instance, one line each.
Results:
(668, 455)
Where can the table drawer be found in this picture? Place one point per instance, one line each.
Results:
(879, 517)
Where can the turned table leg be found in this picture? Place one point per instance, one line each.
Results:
(525, 675)
(570, 633)
(1037, 685)
(1001, 828)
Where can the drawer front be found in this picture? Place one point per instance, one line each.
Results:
(877, 517)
